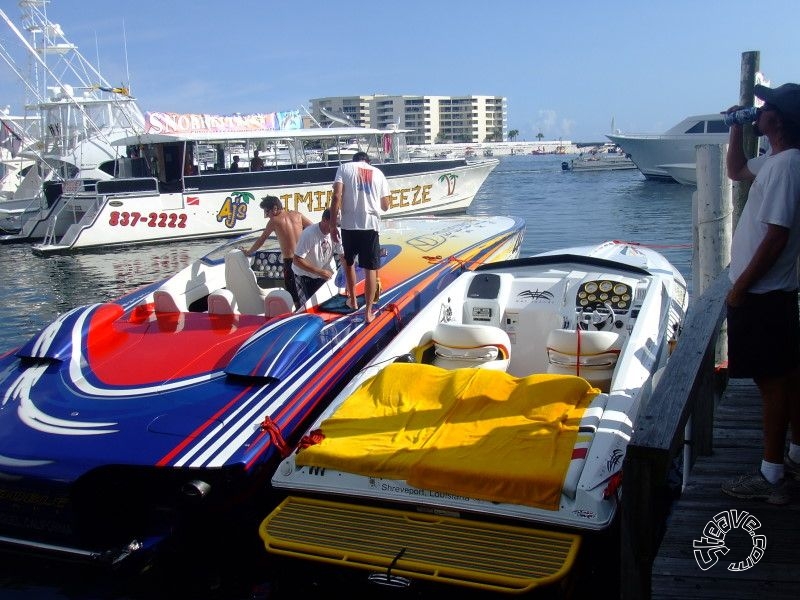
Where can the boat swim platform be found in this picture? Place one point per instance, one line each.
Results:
(392, 543)
(736, 450)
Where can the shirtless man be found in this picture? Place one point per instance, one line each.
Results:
(287, 226)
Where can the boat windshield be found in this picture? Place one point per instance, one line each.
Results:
(243, 242)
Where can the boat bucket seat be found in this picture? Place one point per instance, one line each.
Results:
(459, 345)
(587, 353)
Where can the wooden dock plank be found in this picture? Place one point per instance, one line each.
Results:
(737, 449)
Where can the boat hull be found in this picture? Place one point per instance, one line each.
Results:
(651, 152)
(583, 329)
(159, 406)
(227, 204)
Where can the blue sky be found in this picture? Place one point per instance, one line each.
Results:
(567, 68)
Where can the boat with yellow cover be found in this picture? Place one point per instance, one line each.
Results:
(482, 443)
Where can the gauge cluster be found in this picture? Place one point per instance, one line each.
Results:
(602, 292)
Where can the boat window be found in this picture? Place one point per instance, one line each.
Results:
(697, 128)
(717, 126)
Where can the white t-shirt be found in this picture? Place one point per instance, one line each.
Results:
(774, 199)
(364, 186)
(315, 247)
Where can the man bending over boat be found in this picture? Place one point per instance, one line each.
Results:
(360, 191)
(313, 255)
(287, 225)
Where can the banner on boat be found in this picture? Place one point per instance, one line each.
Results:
(168, 122)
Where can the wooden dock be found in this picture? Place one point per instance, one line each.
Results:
(736, 449)
(721, 419)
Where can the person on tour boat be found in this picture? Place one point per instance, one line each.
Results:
(256, 163)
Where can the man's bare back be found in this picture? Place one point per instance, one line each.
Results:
(287, 225)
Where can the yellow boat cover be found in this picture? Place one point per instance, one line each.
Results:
(474, 432)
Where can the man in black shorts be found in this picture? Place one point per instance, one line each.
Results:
(763, 317)
(360, 192)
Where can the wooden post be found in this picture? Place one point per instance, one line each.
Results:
(713, 222)
(714, 214)
(750, 66)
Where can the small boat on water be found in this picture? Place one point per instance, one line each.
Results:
(599, 160)
(179, 181)
(124, 423)
(487, 438)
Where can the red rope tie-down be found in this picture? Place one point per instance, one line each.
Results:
(275, 436)
(433, 259)
(313, 438)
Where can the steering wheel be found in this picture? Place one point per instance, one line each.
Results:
(602, 316)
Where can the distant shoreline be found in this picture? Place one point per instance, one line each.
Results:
(457, 150)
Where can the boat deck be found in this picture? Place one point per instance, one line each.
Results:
(737, 448)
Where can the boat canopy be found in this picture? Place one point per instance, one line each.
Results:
(213, 136)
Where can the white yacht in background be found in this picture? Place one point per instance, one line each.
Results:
(653, 153)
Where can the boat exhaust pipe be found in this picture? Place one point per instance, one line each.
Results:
(197, 489)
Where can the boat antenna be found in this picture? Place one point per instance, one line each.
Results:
(341, 118)
(308, 112)
(127, 66)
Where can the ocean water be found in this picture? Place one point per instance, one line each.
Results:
(561, 209)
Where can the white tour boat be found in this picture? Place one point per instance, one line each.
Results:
(176, 180)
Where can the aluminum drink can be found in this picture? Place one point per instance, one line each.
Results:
(742, 116)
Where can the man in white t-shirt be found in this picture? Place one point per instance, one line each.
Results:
(360, 192)
(762, 304)
(313, 258)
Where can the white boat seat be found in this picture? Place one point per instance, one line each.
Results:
(165, 302)
(221, 302)
(587, 353)
(278, 302)
(241, 281)
(460, 345)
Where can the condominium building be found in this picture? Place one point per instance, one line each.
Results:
(432, 119)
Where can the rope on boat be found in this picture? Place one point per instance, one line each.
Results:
(275, 436)
(313, 438)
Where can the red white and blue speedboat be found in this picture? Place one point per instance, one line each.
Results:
(121, 421)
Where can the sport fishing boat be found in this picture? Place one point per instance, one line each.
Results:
(123, 422)
(487, 438)
(179, 181)
(72, 114)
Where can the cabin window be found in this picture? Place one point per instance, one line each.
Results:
(697, 128)
(717, 126)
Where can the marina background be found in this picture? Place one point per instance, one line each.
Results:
(560, 208)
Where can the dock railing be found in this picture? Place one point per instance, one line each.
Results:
(688, 389)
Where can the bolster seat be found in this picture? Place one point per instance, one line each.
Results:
(587, 353)
(460, 345)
